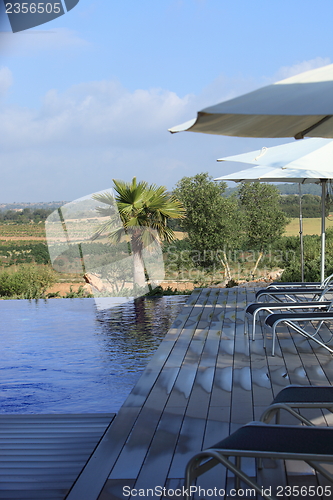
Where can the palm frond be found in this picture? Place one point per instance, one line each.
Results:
(105, 227)
(142, 206)
(129, 193)
(107, 198)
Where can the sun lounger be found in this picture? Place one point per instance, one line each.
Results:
(258, 440)
(312, 284)
(299, 396)
(252, 310)
(273, 320)
(294, 294)
(293, 284)
(276, 291)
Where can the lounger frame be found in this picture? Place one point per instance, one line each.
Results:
(300, 397)
(292, 293)
(294, 284)
(273, 321)
(289, 306)
(209, 458)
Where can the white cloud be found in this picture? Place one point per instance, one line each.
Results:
(300, 67)
(94, 114)
(78, 140)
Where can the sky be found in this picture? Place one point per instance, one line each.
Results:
(89, 96)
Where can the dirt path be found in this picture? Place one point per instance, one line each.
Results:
(22, 238)
(64, 288)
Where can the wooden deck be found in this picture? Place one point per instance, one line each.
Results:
(206, 379)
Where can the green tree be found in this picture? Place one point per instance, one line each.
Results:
(311, 205)
(264, 220)
(213, 223)
(141, 208)
(26, 281)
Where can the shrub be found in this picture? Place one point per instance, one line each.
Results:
(26, 282)
(80, 293)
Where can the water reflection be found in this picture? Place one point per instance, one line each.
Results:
(133, 331)
(67, 356)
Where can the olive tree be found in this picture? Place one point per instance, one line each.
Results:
(212, 222)
(264, 220)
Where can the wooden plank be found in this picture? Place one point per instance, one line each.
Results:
(209, 379)
(157, 427)
(196, 421)
(221, 389)
(142, 395)
(192, 431)
(241, 401)
(262, 391)
(217, 428)
(154, 471)
(114, 489)
(149, 418)
(190, 442)
(179, 322)
(149, 376)
(101, 461)
(134, 452)
(140, 392)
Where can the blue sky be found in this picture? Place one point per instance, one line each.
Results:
(89, 96)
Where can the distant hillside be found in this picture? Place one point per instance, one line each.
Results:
(32, 206)
(291, 188)
(286, 188)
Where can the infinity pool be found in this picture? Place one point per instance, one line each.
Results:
(73, 356)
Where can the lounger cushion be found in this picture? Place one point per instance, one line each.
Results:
(295, 283)
(285, 291)
(252, 308)
(305, 394)
(273, 318)
(279, 439)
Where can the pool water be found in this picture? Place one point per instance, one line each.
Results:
(72, 356)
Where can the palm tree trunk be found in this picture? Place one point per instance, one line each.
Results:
(138, 270)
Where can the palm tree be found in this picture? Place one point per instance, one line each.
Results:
(144, 211)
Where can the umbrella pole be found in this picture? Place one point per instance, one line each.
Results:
(301, 231)
(323, 197)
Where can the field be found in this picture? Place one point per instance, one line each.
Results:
(15, 248)
(36, 232)
(24, 235)
(28, 232)
(310, 226)
(16, 241)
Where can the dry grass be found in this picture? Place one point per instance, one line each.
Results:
(310, 226)
(180, 235)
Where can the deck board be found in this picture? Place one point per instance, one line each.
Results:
(206, 379)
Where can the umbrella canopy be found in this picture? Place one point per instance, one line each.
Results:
(293, 162)
(279, 174)
(295, 107)
(313, 156)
